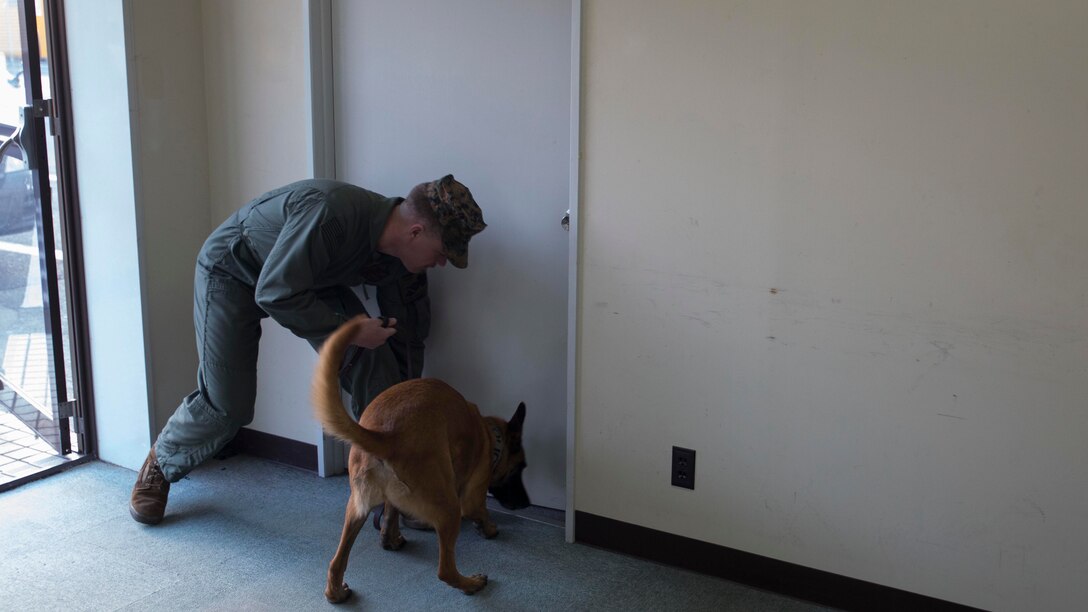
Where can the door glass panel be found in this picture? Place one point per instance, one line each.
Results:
(32, 304)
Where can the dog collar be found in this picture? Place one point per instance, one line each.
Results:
(496, 446)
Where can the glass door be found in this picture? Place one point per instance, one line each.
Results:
(36, 369)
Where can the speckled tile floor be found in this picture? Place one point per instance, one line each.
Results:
(247, 534)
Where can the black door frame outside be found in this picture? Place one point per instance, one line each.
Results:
(60, 112)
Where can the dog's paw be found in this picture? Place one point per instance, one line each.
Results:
(396, 543)
(474, 583)
(488, 530)
(339, 595)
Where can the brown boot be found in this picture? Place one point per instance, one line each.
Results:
(149, 494)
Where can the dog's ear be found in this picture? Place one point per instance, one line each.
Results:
(514, 426)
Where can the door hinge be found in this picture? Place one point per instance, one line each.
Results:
(42, 108)
(67, 409)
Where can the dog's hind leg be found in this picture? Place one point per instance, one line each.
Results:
(336, 590)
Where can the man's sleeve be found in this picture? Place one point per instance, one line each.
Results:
(285, 288)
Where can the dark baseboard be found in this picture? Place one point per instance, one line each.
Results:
(274, 448)
(753, 570)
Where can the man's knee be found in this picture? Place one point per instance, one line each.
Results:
(233, 411)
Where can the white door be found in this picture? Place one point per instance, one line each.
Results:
(479, 89)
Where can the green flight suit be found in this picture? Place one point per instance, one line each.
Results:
(292, 254)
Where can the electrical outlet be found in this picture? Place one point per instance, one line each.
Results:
(683, 467)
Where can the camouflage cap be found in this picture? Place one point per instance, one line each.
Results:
(457, 213)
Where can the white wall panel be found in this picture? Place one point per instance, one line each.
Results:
(481, 90)
(111, 255)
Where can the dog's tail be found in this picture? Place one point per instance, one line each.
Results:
(329, 407)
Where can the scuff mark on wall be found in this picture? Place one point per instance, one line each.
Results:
(702, 321)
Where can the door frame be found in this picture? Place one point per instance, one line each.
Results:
(573, 278)
(317, 16)
(58, 111)
(72, 236)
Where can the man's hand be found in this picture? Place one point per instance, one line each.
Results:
(372, 332)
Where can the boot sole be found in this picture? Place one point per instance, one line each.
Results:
(142, 518)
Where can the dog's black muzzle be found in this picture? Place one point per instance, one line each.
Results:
(511, 493)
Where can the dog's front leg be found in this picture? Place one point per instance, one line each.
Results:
(336, 590)
(448, 528)
(477, 513)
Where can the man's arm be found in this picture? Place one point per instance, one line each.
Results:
(285, 288)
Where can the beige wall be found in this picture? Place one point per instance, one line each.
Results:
(258, 114)
(170, 148)
(221, 116)
(839, 248)
(217, 106)
(258, 136)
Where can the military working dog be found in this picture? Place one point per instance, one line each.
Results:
(420, 448)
